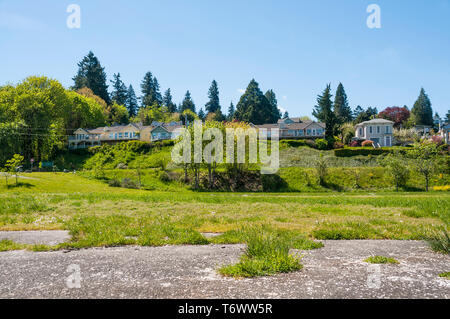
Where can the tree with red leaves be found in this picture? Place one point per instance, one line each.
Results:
(398, 115)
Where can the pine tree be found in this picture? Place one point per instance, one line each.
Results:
(188, 103)
(271, 97)
(286, 115)
(324, 112)
(120, 93)
(342, 110)
(150, 91)
(231, 110)
(201, 115)
(448, 117)
(422, 111)
(213, 104)
(358, 110)
(132, 104)
(167, 101)
(92, 75)
(254, 107)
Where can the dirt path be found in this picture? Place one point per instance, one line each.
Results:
(336, 271)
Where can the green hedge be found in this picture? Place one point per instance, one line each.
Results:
(357, 151)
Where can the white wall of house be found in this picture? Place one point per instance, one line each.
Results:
(378, 131)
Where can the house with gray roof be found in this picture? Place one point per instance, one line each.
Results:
(379, 131)
(294, 128)
(86, 138)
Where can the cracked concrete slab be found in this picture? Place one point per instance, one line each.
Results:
(336, 271)
(48, 237)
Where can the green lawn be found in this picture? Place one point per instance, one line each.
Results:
(99, 215)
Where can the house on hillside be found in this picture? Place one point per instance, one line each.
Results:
(160, 131)
(379, 131)
(294, 128)
(85, 138)
(445, 132)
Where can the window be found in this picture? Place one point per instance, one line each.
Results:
(370, 129)
(300, 133)
(308, 132)
(111, 136)
(115, 136)
(126, 134)
(361, 132)
(387, 130)
(120, 135)
(378, 130)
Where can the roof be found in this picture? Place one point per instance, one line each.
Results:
(292, 126)
(376, 121)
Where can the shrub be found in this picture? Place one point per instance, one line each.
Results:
(128, 183)
(321, 144)
(360, 151)
(122, 166)
(438, 140)
(338, 145)
(355, 144)
(367, 144)
(164, 177)
(445, 188)
(114, 183)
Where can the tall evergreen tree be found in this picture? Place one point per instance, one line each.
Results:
(447, 120)
(254, 107)
(167, 101)
(150, 91)
(422, 111)
(272, 98)
(119, 94)
(324, 112)
(286, 115)
(92, 75)
(201, 115)
(342, 110)
(213, 105)
(358, 110)
(231, 110)
(188, 103)
(132, 104)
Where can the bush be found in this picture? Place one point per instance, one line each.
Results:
(363, 151)
(322, 144)
(128, 183)
(273, 183)
(355, 144)
(367, 144)
(338, 145)
(164, 177)
(114, 183)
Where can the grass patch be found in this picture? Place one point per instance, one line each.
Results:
(445, 275)
(267, 253)
(381, 260)
(120, 230)
(440, 241)
(8, 245)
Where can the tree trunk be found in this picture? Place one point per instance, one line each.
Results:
(209, 176)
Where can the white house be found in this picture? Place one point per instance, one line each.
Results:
(379, 131)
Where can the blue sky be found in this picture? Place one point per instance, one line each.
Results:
(293, 47)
